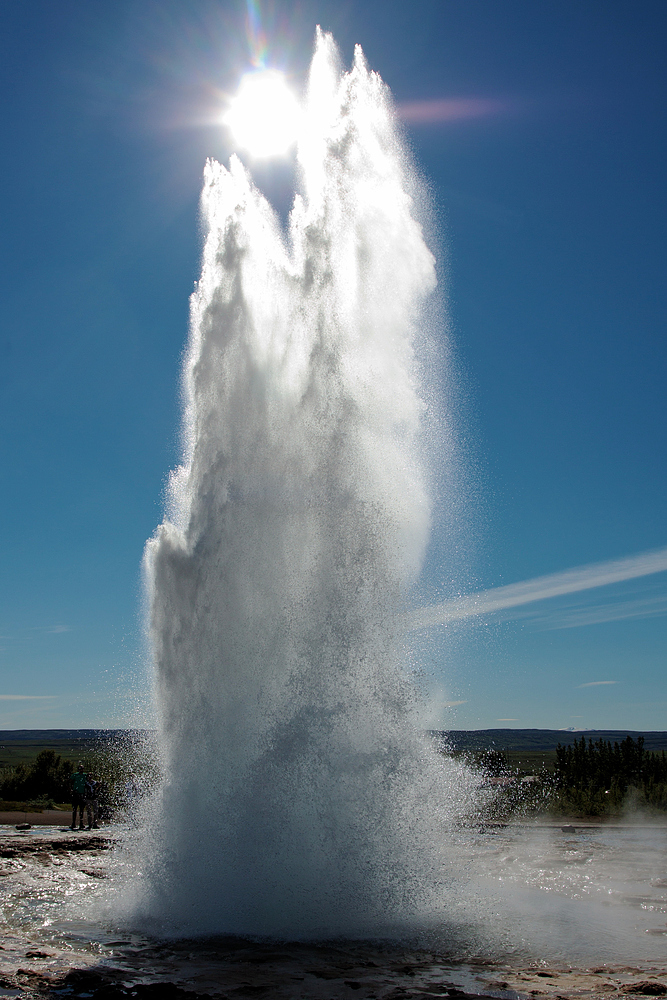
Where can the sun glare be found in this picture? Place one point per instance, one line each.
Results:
(265, 116)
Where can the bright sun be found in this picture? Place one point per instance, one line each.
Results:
(264, 116)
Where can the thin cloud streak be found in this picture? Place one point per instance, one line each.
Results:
(594, 684)
(540, 589)
(596, 614)
(26, 697)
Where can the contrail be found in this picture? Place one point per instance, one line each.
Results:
(540, 588)
(26, 697)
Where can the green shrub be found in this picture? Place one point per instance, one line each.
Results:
(598, 779)
(48, 777)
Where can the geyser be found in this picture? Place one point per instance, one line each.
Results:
(299, 796)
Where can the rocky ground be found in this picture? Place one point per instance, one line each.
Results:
(34, 963)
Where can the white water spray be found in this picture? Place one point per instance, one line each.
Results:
(298, 795)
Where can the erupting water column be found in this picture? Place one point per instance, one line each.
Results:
(298, 795)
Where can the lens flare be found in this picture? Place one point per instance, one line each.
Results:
(265, 116)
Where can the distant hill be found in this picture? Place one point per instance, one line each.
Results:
(542, 740)
(528, 748)
(12, 735)
(18, 746)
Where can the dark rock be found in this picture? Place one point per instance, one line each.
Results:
(247, 990)
(323, 973)
(164, 991)
(97, 986)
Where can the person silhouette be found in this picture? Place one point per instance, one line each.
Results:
(78, 783)
(92, 801)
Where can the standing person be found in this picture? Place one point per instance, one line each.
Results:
(131, 799)
(78, 783)
(104, 803)
(92, 801)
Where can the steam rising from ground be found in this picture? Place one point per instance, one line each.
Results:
(298, 795)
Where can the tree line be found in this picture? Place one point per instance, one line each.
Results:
(46, 781)
(597, 778)
(588, 778)
(47, 778)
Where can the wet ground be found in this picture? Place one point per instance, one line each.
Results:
(48, 875)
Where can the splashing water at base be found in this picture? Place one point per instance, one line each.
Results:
(298, 796)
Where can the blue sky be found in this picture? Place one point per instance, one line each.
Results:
(550, 201)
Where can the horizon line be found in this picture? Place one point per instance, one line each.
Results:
(572, 730)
